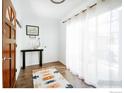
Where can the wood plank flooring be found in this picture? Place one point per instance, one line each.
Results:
(25, 76)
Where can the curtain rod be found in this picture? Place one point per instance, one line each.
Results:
(80, 12)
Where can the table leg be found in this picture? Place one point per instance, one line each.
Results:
(40, 60)
(23, 60)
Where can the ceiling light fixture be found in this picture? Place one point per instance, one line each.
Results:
(57, 1)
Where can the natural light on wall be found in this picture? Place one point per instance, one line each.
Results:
(93, 46)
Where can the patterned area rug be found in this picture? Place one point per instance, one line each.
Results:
(49, 78)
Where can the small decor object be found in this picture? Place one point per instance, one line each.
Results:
(49, 78)
(57, 1)
(32, 30)
(36, 43)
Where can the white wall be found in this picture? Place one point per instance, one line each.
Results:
(19, 41)
(62, 43)
(48, 33)
(18, 48)
(49, 39)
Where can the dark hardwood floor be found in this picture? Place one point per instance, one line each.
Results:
(25, 76)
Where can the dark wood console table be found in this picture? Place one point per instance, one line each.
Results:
(32, 50)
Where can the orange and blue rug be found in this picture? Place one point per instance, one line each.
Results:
(49, 78)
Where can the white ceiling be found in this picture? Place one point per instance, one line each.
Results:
(46, 8)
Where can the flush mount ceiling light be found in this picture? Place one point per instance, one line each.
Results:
(57, 1)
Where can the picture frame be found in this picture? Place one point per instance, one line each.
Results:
(32, 30)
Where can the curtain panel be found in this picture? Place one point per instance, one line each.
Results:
(93, 45)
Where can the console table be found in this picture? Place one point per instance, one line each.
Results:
(32, 50)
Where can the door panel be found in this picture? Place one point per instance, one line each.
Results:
(12, 63)
(8, 44)
(6, 65)
(6, 54)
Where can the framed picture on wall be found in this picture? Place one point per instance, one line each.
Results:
(32, 30)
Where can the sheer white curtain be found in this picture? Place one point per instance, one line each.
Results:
(74, 34)
(94, 45)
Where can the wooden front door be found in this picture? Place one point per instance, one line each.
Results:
(8, 44)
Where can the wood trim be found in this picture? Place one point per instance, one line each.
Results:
(61, 62)
(14, 84)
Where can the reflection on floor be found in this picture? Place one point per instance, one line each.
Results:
(25, 76)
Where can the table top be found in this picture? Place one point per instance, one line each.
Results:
(29, 50)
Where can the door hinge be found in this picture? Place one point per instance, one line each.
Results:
(16, 45)
(16, 70)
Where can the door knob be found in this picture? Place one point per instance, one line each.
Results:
(4, 58)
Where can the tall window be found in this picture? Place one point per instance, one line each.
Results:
(94, 48)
